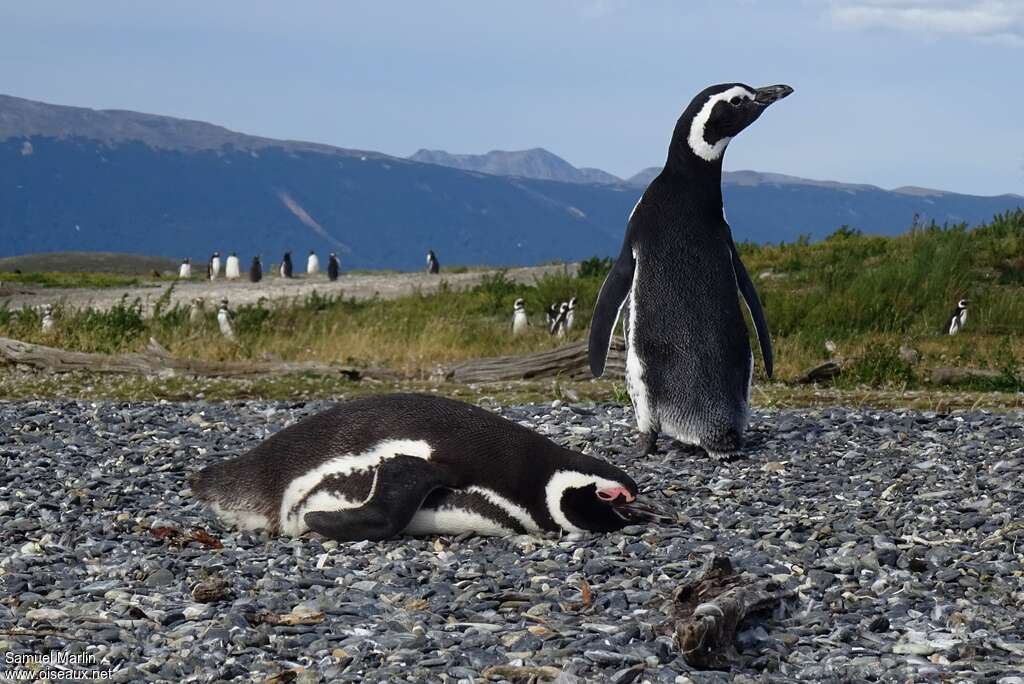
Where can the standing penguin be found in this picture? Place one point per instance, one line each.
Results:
(185, 270)
(286, 265)
(688, 359)
(256, 270)
(224, 318)
(570, 314)
(47, 322)
(375, 467)
(312, 264)
(959, 318)
(232, 269)
(558, 326)
(195, 311)
(213, 267)
(333, 267)
(519, 320)
(551, 313)
(433, 265)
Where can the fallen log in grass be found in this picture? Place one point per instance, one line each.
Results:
(956, 376)
(830, 370)
(568, 361)
(156, 361)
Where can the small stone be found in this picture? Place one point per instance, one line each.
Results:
(46, 615)
(879, 624)
(210, 590)
(161, 578)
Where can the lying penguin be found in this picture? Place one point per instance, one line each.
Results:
(406, 463)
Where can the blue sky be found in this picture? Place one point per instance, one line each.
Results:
(889, 92)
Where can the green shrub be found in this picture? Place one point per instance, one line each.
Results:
(112, 330)
(595, 267)
(880, 365)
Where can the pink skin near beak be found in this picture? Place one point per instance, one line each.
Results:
(613, 493)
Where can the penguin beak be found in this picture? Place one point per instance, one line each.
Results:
(636, 512)
(765, 96)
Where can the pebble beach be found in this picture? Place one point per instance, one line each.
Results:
(899, 533)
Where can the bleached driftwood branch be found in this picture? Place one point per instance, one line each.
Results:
(155, 360)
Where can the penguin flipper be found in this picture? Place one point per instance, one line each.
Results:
(609, 304)
(746, 287)
(400, 486)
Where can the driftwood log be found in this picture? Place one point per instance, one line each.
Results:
(954, 376)
(569, 362)
(710, 610)
(830, 370)
(826, 372)
(154, 361)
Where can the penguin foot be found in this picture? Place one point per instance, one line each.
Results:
(724, 456)
(648, 443)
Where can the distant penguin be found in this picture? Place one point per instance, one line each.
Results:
(959, 318)
(312, 264)
(519, 320)
(570, 314)
(47, 322)
(185, 270)
(333, 267)
(551, 313)
(688, 361)
(558, 326)
(232, 270)
(196, 310)
(831, 348)
(433, 265)
(256, 270)
(286, 265)
(224, 319)
(213, 268)
(379, 466)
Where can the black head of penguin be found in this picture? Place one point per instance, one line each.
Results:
(716, 115)
(594, 496)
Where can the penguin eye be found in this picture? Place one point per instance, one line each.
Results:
(735, 102)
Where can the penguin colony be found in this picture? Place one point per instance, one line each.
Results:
(376, 467)
(232, 267)
(560, 318)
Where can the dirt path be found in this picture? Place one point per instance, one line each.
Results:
(359, 286)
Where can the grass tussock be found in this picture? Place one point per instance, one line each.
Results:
(870, 295)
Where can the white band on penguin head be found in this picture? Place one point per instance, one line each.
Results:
(698, 143)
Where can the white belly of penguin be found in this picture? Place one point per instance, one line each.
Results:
(453, 521)
(297, 500)
(635, 367)
(447, 518)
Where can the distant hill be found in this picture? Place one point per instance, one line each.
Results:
(74, 179)
(536, 163)
(768, 207)
(20, 118)
(89, 262)
(644, 177)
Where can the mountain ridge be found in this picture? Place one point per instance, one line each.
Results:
(75, 179)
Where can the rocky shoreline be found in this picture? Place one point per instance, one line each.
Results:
(899, 533)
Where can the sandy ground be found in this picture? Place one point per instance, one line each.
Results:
(359, 286)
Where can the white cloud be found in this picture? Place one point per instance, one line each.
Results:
(995, 21)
